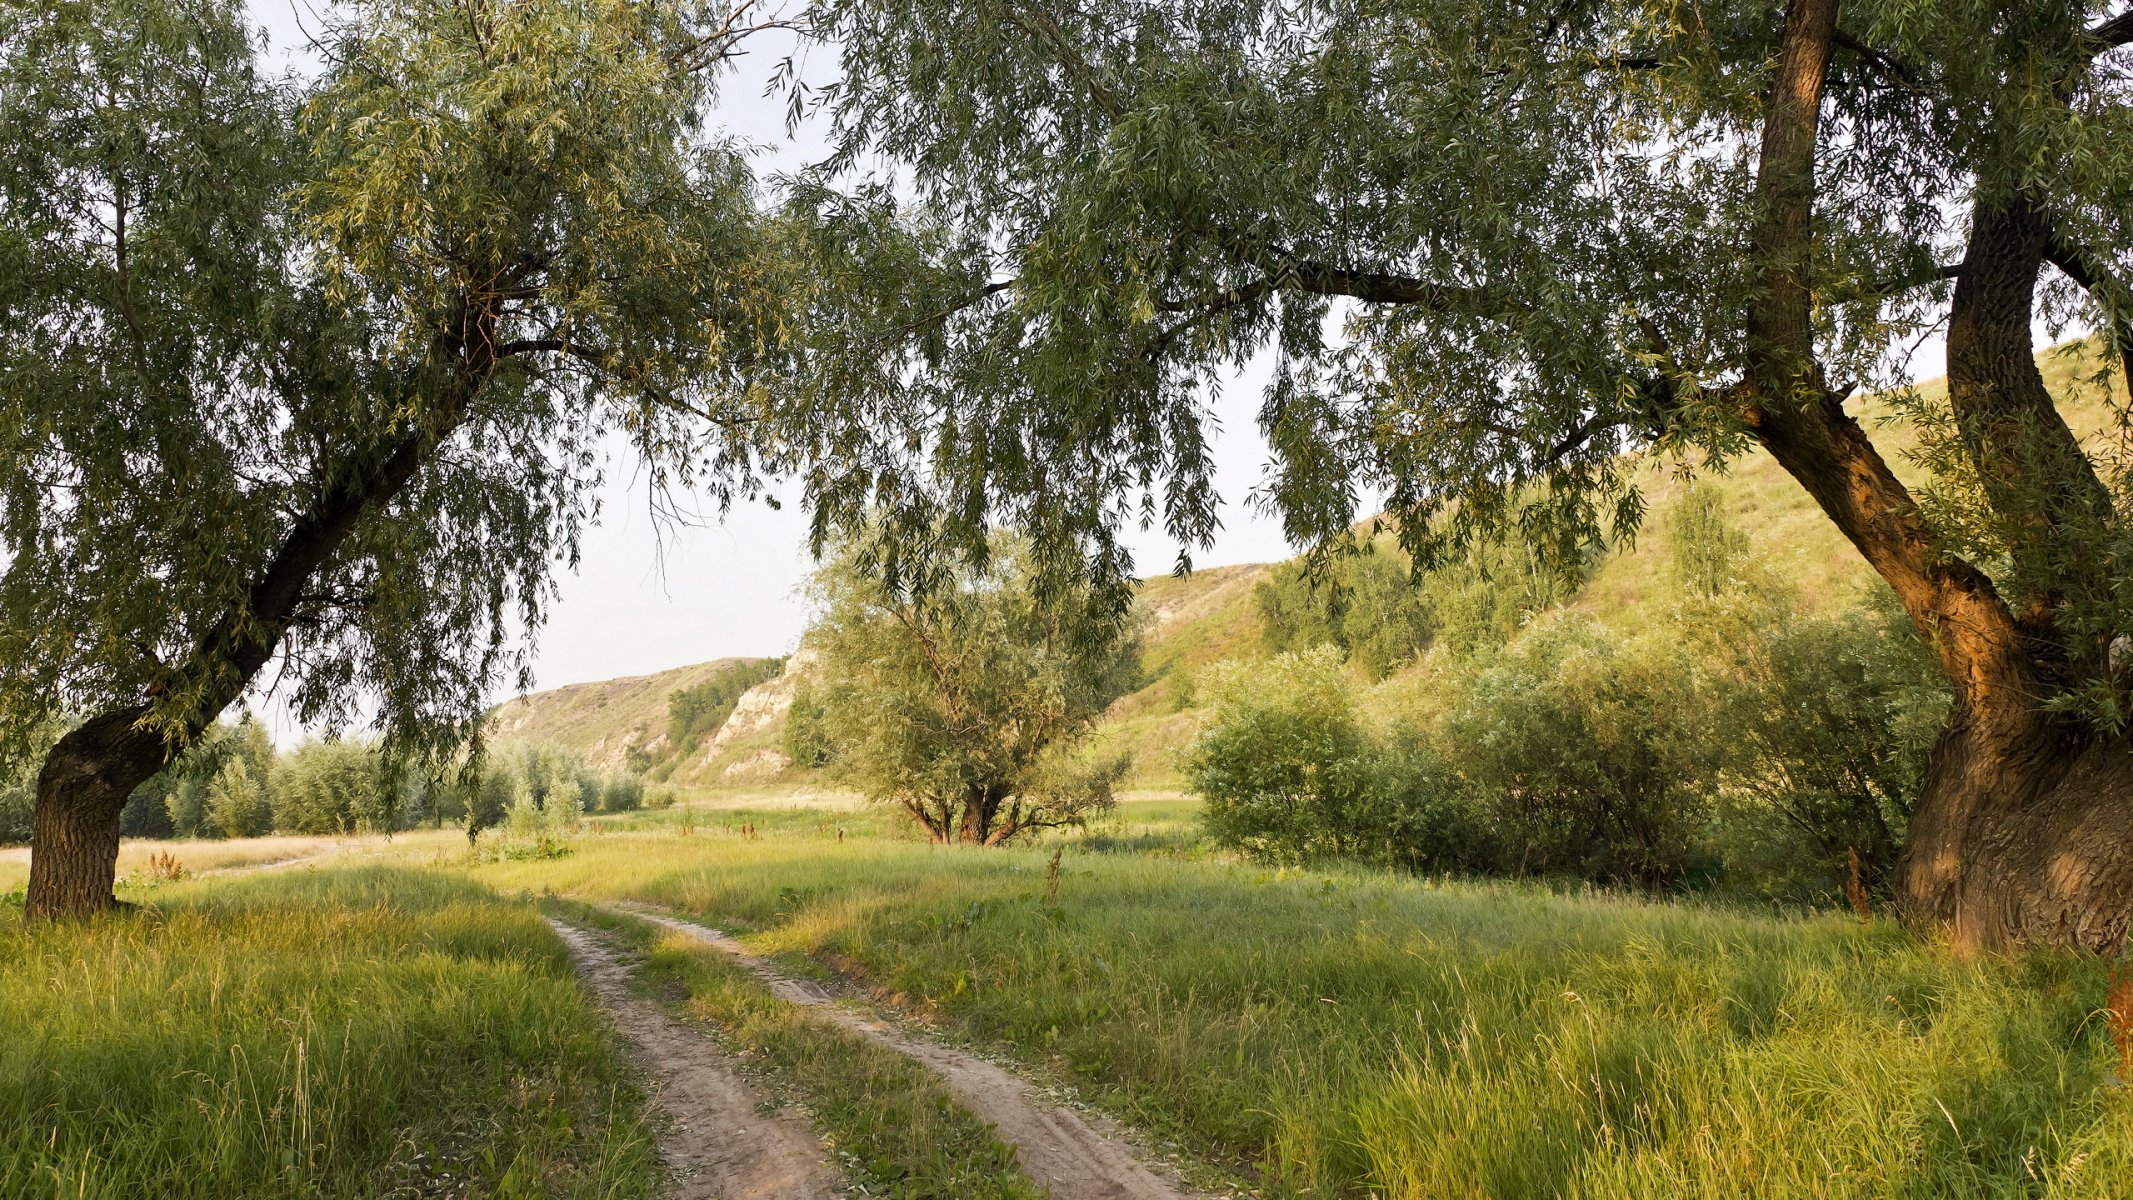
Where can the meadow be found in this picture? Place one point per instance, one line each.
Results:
(1351, 1032)
(348, 1032)
(414, 1029)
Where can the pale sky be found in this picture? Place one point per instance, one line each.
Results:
(643, 599)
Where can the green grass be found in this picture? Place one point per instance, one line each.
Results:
(893, 1124)
(1357, 1033)
(376, 1032)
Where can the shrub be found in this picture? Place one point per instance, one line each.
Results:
(1289, 772)
(1587, 749)
(622, 792)
(1283, 761)
(1829, 721)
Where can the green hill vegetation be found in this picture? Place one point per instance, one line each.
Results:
(634, 722)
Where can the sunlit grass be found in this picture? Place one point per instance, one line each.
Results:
(1358, 1033)
(368, 1032)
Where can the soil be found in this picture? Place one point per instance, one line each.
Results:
(1072, 1155)
(723, 1143)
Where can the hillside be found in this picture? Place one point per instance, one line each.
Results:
(605, 720)
(1198, 621)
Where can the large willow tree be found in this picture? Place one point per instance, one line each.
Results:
(1499, 244)
(310, 374)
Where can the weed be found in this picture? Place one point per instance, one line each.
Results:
(1855, 889)
(163, 867)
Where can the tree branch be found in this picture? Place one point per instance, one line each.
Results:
(2117, 299)
(2110, 35)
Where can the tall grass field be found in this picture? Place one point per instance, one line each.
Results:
(1355, 1033)
(374, 1032)
(414, 1029)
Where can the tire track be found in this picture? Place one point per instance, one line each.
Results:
(721, 1144)
(1072, 1155)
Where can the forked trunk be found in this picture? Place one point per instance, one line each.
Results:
(83, 787)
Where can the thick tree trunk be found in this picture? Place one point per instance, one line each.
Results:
(74, 842)
(2021, 835)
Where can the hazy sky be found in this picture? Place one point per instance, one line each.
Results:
(642, 602)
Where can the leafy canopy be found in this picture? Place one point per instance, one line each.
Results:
(319, 367)
(1490, 244)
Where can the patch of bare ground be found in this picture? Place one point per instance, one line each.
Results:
(722, 1144)
(1073, 1155)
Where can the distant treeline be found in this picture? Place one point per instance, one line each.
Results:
(234, 783)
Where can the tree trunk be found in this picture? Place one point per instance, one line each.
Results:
(74, 838)
(2019, 833)
(979, 806)
(2021, 836)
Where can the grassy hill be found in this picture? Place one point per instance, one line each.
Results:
(1192, 623)
(603, 721)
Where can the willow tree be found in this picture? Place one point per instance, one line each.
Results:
(968, 704)
(311, 373)
(1499, 248)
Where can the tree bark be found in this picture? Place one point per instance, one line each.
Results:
(83, 786)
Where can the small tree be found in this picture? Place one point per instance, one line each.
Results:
(1706, 549)
(237, 802)
(965, 707)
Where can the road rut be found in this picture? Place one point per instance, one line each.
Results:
(722, 1145)
(1072, 1155)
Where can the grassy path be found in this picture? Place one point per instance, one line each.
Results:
(1073, 1157)
(722, 1143)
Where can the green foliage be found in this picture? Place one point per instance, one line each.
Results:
(965, 706)
(334, 787)
(807, 733)
(1290, 772)
(320, 365)
(237, 803)
(1735, 739)
(1827, 721)
(1283, 763)
(695, 713)
(621, 792)
(1587, 748)
(1383, 616)
(1705, 549)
